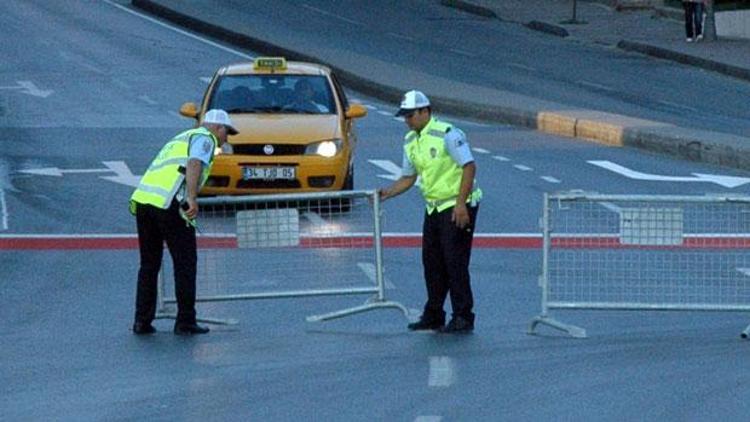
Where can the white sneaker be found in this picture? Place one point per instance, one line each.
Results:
(689, 39)
(699, 38)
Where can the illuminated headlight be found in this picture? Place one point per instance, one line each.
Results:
(325, 148)
(225, 149)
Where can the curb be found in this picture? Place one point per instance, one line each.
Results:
(549, 28)
(589, 125)
(662, 53)
(470, 8)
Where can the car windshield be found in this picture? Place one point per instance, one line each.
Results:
(285, 94)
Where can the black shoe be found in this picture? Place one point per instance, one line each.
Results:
(458, 325)
(426, 324)
(189, 329)
(141, 328)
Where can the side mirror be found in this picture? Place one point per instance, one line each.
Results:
(356, 111)
(189, 110)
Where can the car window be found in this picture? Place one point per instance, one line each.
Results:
(286, 94)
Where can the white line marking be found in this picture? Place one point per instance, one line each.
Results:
(180, 31)
(500, 158)
(368, 106)
(146, 99)
(385, 113)
(314, 218)
(522, 167)
(442, 372)
(463, 52)
(522, 67)
(549, 179)
(427, 418)
(680, 106)
(399, 36)
(480, 150)
(595, 85)
(369, 269)
(333, 15)
(399, 119)
(3, 211)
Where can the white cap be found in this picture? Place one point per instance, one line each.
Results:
(413, 100)
(220, 117)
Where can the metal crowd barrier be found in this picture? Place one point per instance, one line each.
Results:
(287, 246)
(644, 252)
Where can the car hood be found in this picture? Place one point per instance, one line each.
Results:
(284, 129)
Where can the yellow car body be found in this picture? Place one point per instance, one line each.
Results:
(296, 129)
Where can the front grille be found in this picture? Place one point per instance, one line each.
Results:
(269, 184)
(278, 149)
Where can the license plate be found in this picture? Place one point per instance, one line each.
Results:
(268, 173)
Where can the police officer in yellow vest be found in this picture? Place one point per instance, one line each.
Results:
(439, 154)
(165, 206)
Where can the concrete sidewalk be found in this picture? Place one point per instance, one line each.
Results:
(387, 80)
(656, 32)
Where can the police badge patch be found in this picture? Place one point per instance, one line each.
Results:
(433, 152)
(207, 145)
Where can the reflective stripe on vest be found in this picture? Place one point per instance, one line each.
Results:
(163, 178)
(440, 175)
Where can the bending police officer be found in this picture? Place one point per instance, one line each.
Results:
(439, 154)
(165, 206)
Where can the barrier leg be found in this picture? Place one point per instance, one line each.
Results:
(369, 306)
(572, 330)
(745, 332)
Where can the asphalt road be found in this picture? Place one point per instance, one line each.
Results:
(117, 80)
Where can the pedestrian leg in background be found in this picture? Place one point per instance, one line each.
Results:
(689, 20)
(698, 21)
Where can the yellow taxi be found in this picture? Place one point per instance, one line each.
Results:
(296, 128)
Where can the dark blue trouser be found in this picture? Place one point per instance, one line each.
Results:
(446, 252)
(156, 226)
(693, 19)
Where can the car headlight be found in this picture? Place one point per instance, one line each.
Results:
(225, 149)
(324, 148)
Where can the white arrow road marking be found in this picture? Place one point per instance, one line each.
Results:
(390, 167)
(28, 87)
(726, 181)
(442, 372)
(58, 172)
(124, 175)
(369, 269)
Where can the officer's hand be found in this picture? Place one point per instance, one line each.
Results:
(460, 216)
(192, 210)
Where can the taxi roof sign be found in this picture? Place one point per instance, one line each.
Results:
(269, 63)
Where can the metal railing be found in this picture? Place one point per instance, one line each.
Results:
(644, 252)
(288, 246)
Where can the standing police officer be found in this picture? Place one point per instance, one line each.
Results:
(165, 206)
(439, 154)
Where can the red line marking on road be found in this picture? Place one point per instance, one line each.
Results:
(357, 240)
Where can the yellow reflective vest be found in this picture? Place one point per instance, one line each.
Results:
(439, 173)
(166, 174)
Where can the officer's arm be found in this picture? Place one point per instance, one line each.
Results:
(192, 179)
(398, 187)
(467, 182)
